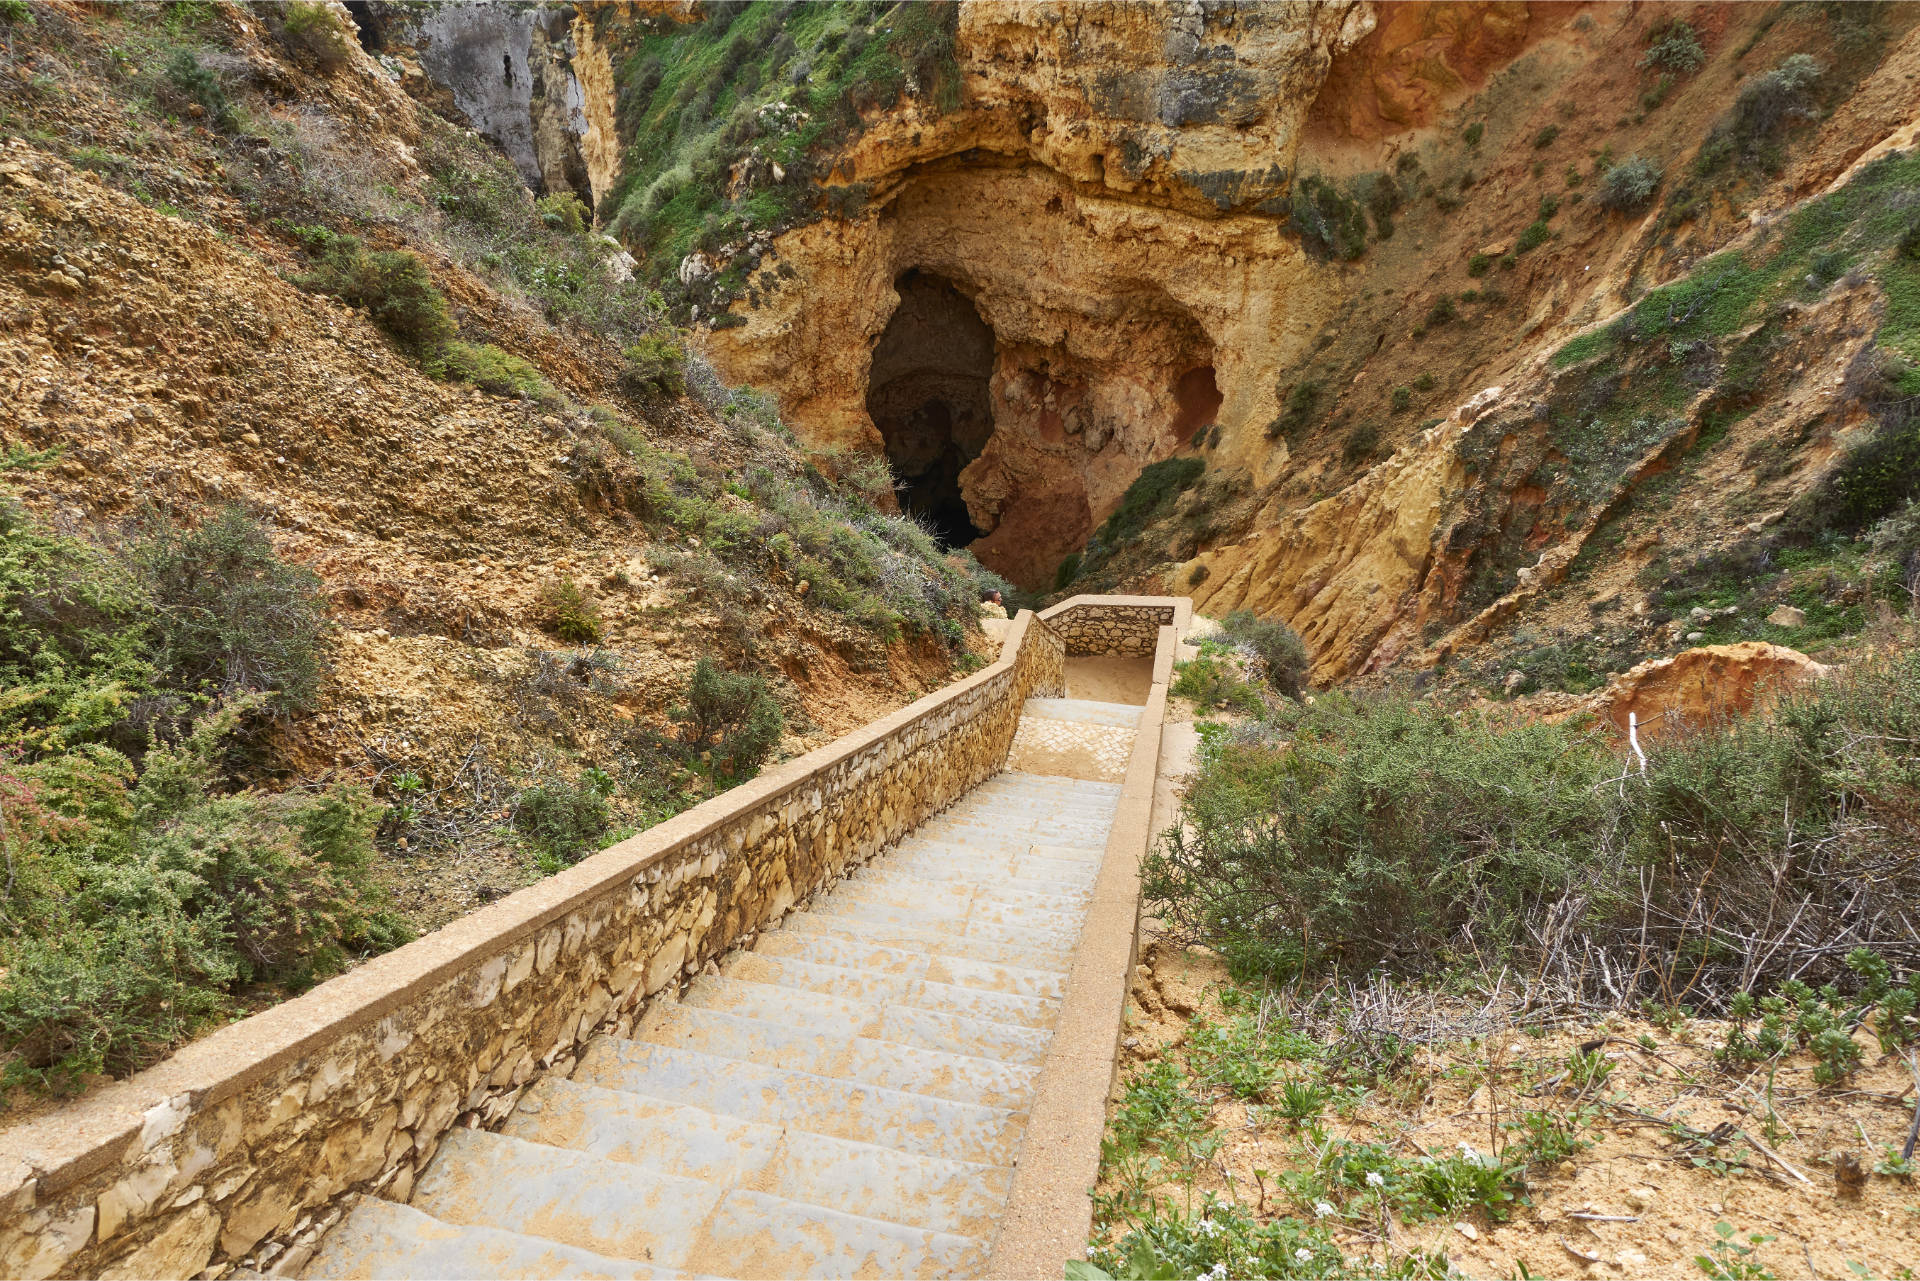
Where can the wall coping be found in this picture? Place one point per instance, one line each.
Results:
(75, 1141)
(1049, 1214)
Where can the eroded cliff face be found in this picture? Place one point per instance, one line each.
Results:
(1302, 242)
(1108, 199)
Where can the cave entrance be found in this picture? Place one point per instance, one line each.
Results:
(927, 393)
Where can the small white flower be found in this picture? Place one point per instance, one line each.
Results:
(1323, 1208)
(1207, 1228)
(1466, 1150)
(1218, 1272)
(1375, 1179)
(1303, 1254)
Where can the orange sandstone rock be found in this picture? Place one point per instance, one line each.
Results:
(1699, 684)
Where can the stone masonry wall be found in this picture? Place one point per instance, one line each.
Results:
(251, 1135)
(1111, 624)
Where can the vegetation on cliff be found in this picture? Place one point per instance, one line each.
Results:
(727, 122)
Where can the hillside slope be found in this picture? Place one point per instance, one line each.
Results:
(246, 274)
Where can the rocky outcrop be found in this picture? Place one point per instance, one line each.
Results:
(1108, 197)
(1698, 686)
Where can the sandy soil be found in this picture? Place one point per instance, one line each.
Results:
(1643, 1201)
(1110, 680)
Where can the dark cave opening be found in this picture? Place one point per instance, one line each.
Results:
(927, 393)
(366, 29)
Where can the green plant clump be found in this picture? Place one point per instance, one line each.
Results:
(1279, 648)
(732, 716)
(1331, 226)
(1369, 830)
(565, 819)
(1675, 47)
(655, 366)
(1629, 185)
(143, 897)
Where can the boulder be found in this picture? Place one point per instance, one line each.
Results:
(1697, 685)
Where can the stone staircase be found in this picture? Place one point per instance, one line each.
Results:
(849, 1098)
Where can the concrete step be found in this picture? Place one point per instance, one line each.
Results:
(658, 1134)
(948, 1031)
(1081, 711)
(901, 937)
(754, 1234)
(998, 874)
(812, 1008)
(893, 885)
(606, 1207)
(821, 1105)
(673, 1138)
(827, 964)
(381, 1241)
(896, 1066)
(1058, 937)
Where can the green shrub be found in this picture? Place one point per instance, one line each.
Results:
(656, 366)
(308, 27)
(1302, 399)
(491, 369)
(562, 211)
(1628, 185)
(1358, 832)
(1401, 400)
(140, 909)
(393, 287)
(1066, 571)
(734, 716)
(1212, 683)
(1479, 264)
(1545, 137)
(565, 820)
(571, 614)
(1766, 105)
(1330, 225)
(1362, 442)
(1279, 648)
(1473, 132)
(1534, 235)
(188, 80)
(229, 617)
(1675, 47)
(1425, 382)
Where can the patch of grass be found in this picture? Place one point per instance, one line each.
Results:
(571, 614)
(1149, 497)
(760, 91)
(1213, 684)
(491, 369)
(565, 819)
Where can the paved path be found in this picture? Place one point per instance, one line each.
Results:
(847, 1099)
